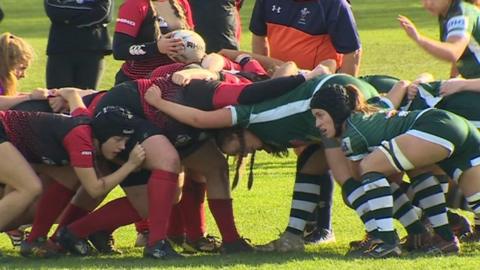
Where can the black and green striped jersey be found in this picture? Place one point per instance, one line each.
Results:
(462, 19)
(287, 121)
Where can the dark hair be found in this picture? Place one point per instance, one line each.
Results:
(225, 135)
(340, 101)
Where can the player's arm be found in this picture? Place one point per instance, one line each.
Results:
(454, 71)
(457, 85)
(79, 13)
(97, 187)
(260, 45)
(269, 63)
(220, 118)
(450, 51)
(183, 77)
(397, 94)
(72, 96)
(351, 63)
(7, 102)
(213, 62)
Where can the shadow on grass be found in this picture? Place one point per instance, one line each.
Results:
(134, 260)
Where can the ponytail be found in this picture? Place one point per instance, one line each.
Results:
(180, 13)
(357, 101)
(13, 52)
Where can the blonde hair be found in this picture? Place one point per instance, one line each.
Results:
(179, 11)
(13, 52)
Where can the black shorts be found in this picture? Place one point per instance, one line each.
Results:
(141, 177)
(136, 178)
(143, 130)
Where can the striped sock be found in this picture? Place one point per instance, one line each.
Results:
(477, 222)
(474, 204)
(306, 194)
(354, 197)
(404, 212)
(380, 203)
(443, 180)
(431, 199)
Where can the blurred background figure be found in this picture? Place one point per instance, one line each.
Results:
(77, 43)
(15, 57)
(459, 35)
(222, 27)
(1, 14)
(307, 32)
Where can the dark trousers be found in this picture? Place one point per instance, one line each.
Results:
(82, 70)
(218, 29)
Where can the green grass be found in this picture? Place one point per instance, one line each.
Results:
(263, 212)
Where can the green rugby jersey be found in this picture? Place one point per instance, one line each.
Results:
(364, 132)
(382, 83)
(464, 103)
(287, 121)
(462, 20)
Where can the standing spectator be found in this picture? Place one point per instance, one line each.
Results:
(221, 28)
(459, 35)
(307, 32)
(15, 58)
(1, 14)
(77, 42)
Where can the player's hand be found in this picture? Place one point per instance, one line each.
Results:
(181, 77)
(39, 93)
(213, 62)
(58, 104)
(412, 91)
(153, 95)
(451, 86)
(137, 155)
(168, 45)
(65, 92)
(409, 27)
(401, 85)
(320, 69)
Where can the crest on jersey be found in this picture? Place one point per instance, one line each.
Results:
(137, 50)
(303, 16)
(276, 9)
(347, 146)
(457, 23)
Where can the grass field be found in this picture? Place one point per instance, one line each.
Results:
(263, 212)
